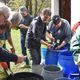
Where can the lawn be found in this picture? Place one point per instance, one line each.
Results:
(16, 40)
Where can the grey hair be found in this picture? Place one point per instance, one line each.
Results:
(15, 17)
(46, 11)
(5, 10)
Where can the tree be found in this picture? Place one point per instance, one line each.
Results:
(4, 1)
(28, 4)
(34, 6)
(14, 4)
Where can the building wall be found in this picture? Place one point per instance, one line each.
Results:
(55, 7)
(75, 11)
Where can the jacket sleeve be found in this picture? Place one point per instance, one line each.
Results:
(37, 33)
(6, 56)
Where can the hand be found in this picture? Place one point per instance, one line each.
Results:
(58, 47)
(12, 49)
(52, 39)
(21, 59)
(49, 46)
(21, 26)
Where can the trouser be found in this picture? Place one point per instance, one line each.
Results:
(23, 48)
(34, 55)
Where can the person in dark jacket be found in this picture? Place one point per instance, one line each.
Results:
(35, 36)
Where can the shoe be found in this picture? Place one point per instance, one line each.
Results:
(27, 61)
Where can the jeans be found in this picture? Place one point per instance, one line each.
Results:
(23, 48)
(34, 55)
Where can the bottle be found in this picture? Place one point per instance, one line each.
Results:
(58, 41)
(53, 45)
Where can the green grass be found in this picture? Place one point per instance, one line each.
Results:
(16, 41)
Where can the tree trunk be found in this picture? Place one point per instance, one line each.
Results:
(35, 13)
(30, 6)
(27, 4)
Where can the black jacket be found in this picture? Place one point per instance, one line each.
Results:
(35, 33)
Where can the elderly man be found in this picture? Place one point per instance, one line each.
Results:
(35, 36)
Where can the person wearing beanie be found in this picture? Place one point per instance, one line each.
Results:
(59, 32)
